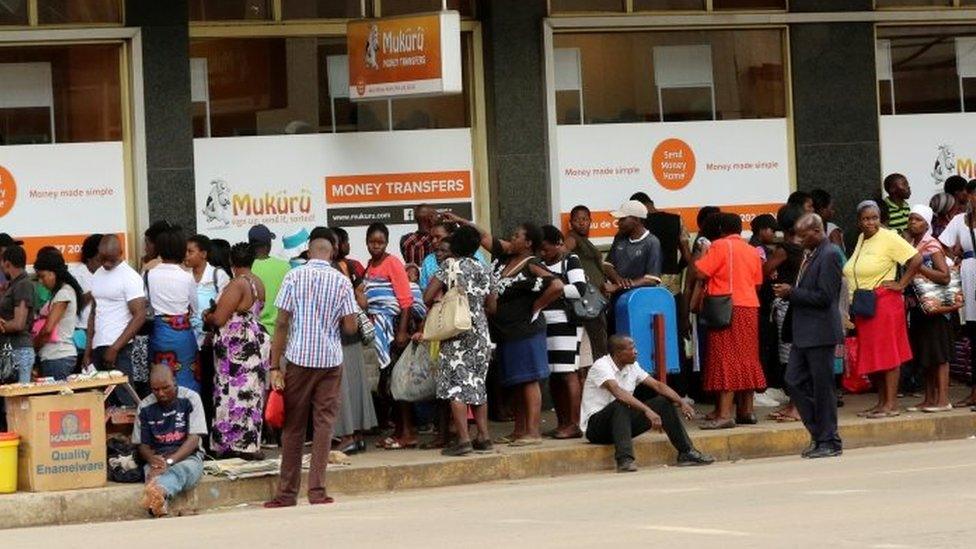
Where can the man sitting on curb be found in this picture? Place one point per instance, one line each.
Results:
(168, 431)
(611, 415)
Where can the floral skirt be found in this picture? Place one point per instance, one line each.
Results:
(173, 343)
(241, 353)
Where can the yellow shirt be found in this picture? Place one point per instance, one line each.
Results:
(876, 259)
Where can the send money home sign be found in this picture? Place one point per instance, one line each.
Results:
(405, 56)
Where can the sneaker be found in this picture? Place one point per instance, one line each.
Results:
(806, 453)
(154, 499)
(483, 446)
(694, 457)
(764, 400)
(824, 452)
(626, 465)
(458, 450)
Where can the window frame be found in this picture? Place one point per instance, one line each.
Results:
(277, 17)
(629, 10)
(33, 20)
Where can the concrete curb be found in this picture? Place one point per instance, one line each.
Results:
(119, 502)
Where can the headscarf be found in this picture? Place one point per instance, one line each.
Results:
(942, 204)
(868, 204)
(927, 243)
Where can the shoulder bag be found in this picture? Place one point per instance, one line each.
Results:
(590, 305)
(716, 310)
(451, 316)
(8, 369)
(864, 304)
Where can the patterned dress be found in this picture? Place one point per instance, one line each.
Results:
(464, 359)
(241, 351)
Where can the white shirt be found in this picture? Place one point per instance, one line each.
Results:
(172, 290)
(84, 278)
(206, 283)
(112, 291)
(595, 397)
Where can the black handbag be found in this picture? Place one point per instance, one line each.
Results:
(590, 305)
(716, 310)
(8, 369)
(865, 302)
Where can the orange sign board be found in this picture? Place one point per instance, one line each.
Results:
(404, 56)
(604, 225)
(395, 187)
(68, 244)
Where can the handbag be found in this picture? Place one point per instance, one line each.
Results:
(451, 316)
(367, 331)
(274, 411)
(8, 369)
(590, 305)
(412, 379)
(716, 310)
(865, 302)
(147, 327)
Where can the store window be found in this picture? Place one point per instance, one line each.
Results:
(926, 69)
(662, 5)
(274, 86)
(58, 12)
(60, 94)
(403, 7)
(620, 77)
(13, 12)
(582, 6)
(749, 4)
(324, 9)
(230, 10)
(912, 3)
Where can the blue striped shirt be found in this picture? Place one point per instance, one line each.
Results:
(317, 296)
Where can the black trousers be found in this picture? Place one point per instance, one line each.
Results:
(618, 424)
(810, 377)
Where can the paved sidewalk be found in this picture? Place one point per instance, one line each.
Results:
(379, 470)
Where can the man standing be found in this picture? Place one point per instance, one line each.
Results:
(118, 312)
(168, 432)
(816, 330)
(415, 246)
(635, 258)
(314, 303)
(610, 414)
(896, 203)
(17, 309)
(674, 238)
(270, 270)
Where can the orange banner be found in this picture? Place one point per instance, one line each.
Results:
(68, 244)
(395, 187)
(399, 50)
(604, 225)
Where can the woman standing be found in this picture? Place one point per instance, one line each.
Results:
(943, 205)
(929, 328)
(54, 341)
(388, 299)
(241, 352)
(172, 294)
(463, 362)
(732, 267)
(882, 339)
(525, 289)
(960, 237)
(593, 346)
(563, 334)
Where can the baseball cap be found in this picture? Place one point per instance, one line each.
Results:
(7, 240)
(631, 208)
(260, 233)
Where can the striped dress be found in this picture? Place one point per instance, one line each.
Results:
(563, 334)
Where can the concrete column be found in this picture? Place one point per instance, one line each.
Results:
(835, 111)
(516, 100)
(169, 127)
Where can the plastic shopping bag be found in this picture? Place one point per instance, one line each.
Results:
(413, 377)
(274, 412)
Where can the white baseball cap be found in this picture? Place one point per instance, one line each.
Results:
(631, 208)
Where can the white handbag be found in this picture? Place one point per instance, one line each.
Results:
(451, 316)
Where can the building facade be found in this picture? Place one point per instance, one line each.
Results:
(219, 114)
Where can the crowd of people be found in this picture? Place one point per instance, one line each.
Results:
(206, 329)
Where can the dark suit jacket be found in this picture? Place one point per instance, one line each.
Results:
(813, 301)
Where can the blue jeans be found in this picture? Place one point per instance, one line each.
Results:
(180, 477)
(123, 363)
(59, 368)
(24, 360)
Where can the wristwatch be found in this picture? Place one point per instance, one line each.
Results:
(169, 461)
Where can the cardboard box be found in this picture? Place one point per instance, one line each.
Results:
(62, 441)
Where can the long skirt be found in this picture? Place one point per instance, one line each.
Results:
(356, 412)
(523, 360)
(732, 362)
(882, 340)
(173, 343)
(241, 353)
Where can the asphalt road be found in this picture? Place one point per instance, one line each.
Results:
(910, 496)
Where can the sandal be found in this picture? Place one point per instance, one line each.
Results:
(383, 442)
(396, 444)
(525, 442)
(714, 424)
(507, 439)
(882, 414)
(576, 433)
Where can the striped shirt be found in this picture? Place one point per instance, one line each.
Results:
(317, 296)
(897, 215)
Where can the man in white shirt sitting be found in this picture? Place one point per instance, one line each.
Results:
(610, 414)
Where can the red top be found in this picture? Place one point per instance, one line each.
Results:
(392, 269)
(746, 270)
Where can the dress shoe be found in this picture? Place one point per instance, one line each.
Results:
(824, 452)
(714, 424)
(323, 500)
(694, 457)
(626, 465)
(277, 503)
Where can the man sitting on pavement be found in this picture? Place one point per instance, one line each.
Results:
(168, 431)
(611, 415)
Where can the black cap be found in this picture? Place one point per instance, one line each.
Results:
(7, 240)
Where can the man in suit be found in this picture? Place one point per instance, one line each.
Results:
(816, 330)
